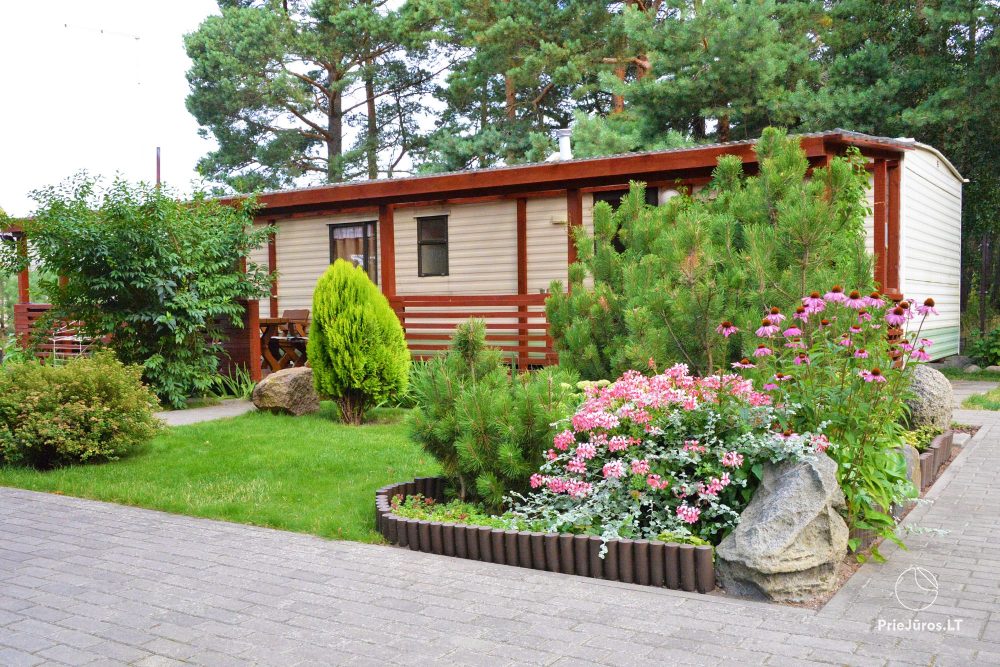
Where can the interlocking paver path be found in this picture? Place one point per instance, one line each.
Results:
(83, 582)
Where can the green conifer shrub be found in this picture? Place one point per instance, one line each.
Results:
(356, 345)
(728, 253)
(487, 426)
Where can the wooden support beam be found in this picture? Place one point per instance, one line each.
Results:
(880, 223)
(522, 277)
(574, 220)
(23, 277)
(272, 267)
(253, 334)
(892, 277)
(387, 250)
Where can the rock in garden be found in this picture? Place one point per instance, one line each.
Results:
(993, 369)
(790, 540)
(289, 391)
(956, 361)
(933, 398)
(912, 457)
(972, 368)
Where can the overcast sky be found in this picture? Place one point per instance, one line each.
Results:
(75, 97)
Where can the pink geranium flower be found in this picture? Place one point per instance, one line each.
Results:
(640, 467)
(613, 470)
(688, 514)
(586, 451)
(577, 465)
(537, 480)
(563, 440)
(732, 459)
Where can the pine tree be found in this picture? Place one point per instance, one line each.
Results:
(665, 277)
(487, 426)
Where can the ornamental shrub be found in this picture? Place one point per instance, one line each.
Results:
(88, 410)
(670, 453)
(985, 348)
(486, 425)
(356, 345)
(842, 361)
(153, 277)
(663, 276)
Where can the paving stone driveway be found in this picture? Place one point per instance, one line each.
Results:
(83, 582)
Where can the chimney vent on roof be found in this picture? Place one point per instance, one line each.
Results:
(565, 147)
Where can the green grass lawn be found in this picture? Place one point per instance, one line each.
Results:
(988, 401)
(308, 474)
(959, 374)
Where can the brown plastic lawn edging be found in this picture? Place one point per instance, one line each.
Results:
(644, 562)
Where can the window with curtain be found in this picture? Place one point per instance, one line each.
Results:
(355, 242)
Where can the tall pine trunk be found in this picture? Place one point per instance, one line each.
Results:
(335, 136)
(371, 144)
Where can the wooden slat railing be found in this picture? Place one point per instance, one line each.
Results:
(61, 340)
(515, 324)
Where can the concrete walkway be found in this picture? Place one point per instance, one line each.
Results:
(965, 388)
(83, 582)
(232, 407)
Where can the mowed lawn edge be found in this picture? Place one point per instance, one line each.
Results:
(307, 474)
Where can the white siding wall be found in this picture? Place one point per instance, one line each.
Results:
(259, 256)
(931, 243)
(482, 250)
(303, 256)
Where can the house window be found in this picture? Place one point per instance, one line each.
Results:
(355, 242)
(614, 199)
(432, 246)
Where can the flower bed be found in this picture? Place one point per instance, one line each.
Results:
(644, 562)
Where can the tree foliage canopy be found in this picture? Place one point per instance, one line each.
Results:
(154, 276)
(665, 277)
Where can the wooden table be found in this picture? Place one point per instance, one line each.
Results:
(283, 342)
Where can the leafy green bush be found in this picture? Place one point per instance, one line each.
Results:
(356, 345)
(486, 426)
(89, 409)
(664, 277)
(238, 384)
(154, 276)
(985, 348)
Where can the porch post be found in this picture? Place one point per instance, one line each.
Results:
(574, 218)
(880, 223)
(893, 232)
(387, 248)
(23, 277)
(522, 281)
(272, 266)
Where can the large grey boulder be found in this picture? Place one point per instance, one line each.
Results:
(288, 391)
(956, 361)
(933, 399)
(790, 540)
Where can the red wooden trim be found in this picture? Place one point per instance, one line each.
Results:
(272, 267)
(593, 172)
(574, 218)
(522, 273)
(253, 336)
(494, 326)
(880, 223)
(387, 247)
(892, 277)
(473, 300)
(23, 276)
